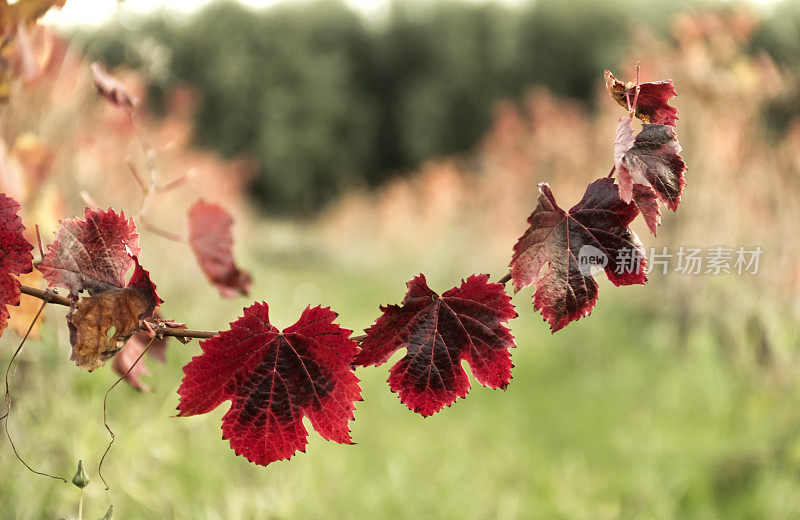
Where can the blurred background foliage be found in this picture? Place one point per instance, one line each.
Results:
(324, 99)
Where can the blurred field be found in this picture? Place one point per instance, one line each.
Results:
(676, 400)
(605, 420)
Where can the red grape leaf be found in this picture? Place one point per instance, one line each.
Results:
(92, 254)
(101, 324)
(571, 246)
(273, 379)
(15, 256)
(110, 88)
(643, 195)
(652, 106)
(654, 161)
(9, 295)
(464, 323)
(212, 242)
(140, 280)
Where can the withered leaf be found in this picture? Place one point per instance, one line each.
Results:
(101, 324)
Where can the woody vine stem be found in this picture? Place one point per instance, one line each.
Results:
(160, 329)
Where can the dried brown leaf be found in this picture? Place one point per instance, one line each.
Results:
(101, 324)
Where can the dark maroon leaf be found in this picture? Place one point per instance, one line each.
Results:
(642, 194)
(561, 250)
(654, 161)
(464, 323)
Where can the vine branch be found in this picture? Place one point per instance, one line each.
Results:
(163, 329)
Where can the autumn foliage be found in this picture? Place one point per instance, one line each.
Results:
(274, 378)
(464, 323)
(554, 242)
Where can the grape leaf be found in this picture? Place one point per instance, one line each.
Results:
(654, 161)
(101, 324)
(464, 323)
(140, 280)
(110, 88)
(643, 195)
(570, 246)
(92, 254)
(15, 256)
(651, 106)
(273, 379)
(212, 242)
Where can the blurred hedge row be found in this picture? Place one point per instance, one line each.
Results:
(325, 99)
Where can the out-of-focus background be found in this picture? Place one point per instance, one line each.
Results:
(358, 144)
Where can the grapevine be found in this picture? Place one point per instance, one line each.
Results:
(275, 377)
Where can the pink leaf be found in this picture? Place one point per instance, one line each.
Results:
(212, 242)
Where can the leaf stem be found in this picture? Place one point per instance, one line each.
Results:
(39, 242)
(162, 232)
(638, 88)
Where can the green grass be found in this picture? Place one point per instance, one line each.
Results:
(606, 419)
